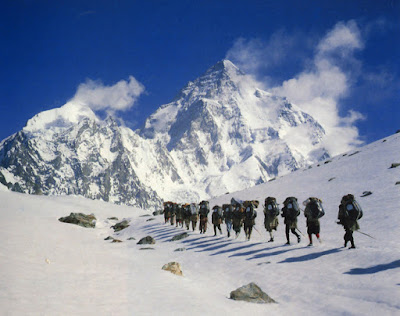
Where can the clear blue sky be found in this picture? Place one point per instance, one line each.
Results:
(48, 48)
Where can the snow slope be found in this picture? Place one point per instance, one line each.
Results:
(85, 275)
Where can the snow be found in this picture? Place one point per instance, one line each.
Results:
(59, 118)
(53, 268)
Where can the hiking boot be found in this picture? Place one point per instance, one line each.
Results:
(298, 239)
(288, 243)
(229, 234)
(352, 247)
(310, 244)
(271, 240)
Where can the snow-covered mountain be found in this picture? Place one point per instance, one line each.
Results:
(222, 133)
(53, 268)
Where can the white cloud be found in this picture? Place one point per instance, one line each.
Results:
(118, 97)
(344, 37)
(254, 55)
(319, 88)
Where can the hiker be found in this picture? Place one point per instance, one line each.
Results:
(167, 211)
(349, 212)
(249, 217)
(313, 212)
(216, 218)
(237, 218)
(186, 215)
(203, 212)
(290, 211)
(194, 215)
(179, 215)
(271, 212)
(228, 214)
(173, 213)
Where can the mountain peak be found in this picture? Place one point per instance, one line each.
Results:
(69, 114)
(225, 66)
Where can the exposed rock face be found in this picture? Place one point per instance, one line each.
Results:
(180, 236)
(88, 221)
(251, 293)
(148, 240)
(173, 267)
(120, 226)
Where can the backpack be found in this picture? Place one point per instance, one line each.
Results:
(271, 206)
(315, 207)
(193, 209)
(352, 210)
(204, 207)
(217, 213)
(249, 212)
(292, 207)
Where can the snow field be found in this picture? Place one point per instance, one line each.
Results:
(85, 275)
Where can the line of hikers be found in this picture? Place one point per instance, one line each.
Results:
(243, 213)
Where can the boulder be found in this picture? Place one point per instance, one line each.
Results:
(394, 165)
(173, 267)
(180, 236)
(148, 240)
(116, 241)
(120, 226)
(251, 293)
(80, 219)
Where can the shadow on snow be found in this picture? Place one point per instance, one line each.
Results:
(311, 256)
(375, 269)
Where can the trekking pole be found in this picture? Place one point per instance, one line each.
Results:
(300, 232)
(257, 230)
(365, 234)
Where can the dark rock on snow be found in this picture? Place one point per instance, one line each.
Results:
(147, 248)
(120, 226)
(80, 219)
(109, 238)
(150, 219)
(366, 193)
(180, 236)
(394, 165)
(148, 240)
(251, 293)
(116, 241)
(113, 218)
(131, 238)
(180, 249)
(155, 213)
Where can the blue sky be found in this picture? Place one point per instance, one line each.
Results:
(344, 54)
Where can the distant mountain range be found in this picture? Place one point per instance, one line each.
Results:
(221, 134)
